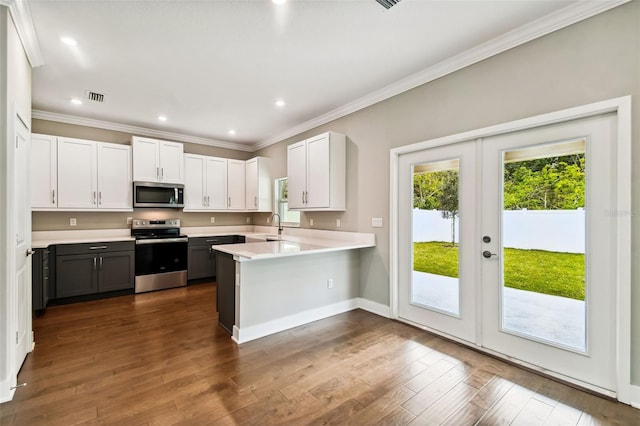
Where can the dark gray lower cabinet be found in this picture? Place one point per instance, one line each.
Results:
(83, 269)
(226, 291)
(202, 259)
(40, 279)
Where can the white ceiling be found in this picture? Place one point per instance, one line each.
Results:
(211, 66)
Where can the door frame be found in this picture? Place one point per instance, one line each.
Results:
(622, 108)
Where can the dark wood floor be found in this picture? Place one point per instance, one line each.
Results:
(161, 359)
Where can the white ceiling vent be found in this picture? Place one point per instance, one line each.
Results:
(387, 4)
(94, 96)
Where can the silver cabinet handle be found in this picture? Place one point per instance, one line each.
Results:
(211, 241)
(204, 201)
(302, 197)
(158, 173)
(100, 198)
(97, 247)
(175, 195)
(94, 197)
(94, 263)
(100, 262)
(208, 201)
(255, 201)
(161, 172)
(229, 202)
(53, 196)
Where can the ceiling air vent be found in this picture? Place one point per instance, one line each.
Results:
(94, 96)
(387, 4)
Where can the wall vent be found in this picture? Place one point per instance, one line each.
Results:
(94, 96)
(387, 4)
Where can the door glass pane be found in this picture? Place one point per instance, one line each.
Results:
(435, 283)
(543, 243)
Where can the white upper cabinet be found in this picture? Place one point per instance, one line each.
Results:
(317, 173)
(157, 161)
(235, 184)
(94, 175)
(44, 172)
(258, 185)
(114, 176)
(205, 186)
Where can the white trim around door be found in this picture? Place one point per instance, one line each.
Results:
(621, 107)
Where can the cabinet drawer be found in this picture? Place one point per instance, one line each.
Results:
(85, 248)
(213, 240)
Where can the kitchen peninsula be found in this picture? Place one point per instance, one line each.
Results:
(273, 283)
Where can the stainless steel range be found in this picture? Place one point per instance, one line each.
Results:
(161, 254)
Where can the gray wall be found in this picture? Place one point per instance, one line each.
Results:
(593, 60)
(47, 221)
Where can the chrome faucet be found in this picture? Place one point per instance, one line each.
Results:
(279, 223)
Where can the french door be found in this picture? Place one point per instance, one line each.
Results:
(508, 243)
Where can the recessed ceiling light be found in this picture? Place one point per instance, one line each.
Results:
(280, 103)
(76, 101)
(68, 41)
(279, 1)
(162, 117)
(232, 132)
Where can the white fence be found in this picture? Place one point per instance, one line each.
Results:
(551, 230)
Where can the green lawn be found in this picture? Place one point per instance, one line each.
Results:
(558, 274)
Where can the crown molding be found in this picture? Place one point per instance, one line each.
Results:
(136, 130)
(547, 24)
(21, 16)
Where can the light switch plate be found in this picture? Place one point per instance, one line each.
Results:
(310, 222)
(338, 223)
(376, 222)
(213, 219)
(73, 221)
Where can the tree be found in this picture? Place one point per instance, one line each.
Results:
(448, 200)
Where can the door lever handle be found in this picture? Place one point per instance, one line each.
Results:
(30, 252)
(487, 254)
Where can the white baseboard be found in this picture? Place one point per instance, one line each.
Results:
(257, 331)
(635, 396)
(374, 307)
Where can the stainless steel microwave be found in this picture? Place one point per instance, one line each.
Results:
(158, 195)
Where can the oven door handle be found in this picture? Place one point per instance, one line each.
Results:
(162, 241)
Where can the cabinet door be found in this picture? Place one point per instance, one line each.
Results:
(77, 174)
(226, 291)
(37, 280)
(44, 171)
(146, 159)
(297, 174)
(318, 172)
(200, 262)
(216, 183)
(116, 271)
(76, 275)
(171, 162)
(114, 177)
(251, 184)
(235, 184)
(194, 182)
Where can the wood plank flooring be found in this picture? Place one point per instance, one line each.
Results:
(161, 359)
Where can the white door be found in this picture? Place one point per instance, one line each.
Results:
(536, 251)
(22, 238)
(297, 174)
(171, 162)
(251, 184)
(77, 174)
(570, 334)
(216, 183)
(235, 184)
(194, 195)
(318, 172)
(44, 171)
(436, 294)
(146, 159)
(114, 176)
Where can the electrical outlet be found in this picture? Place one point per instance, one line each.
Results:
(310, 222)
(330, 283)
(376, 222)
(268, 220)
(213, 219)
(248, 220)
(129, 220)
(337, 223)
(73, 221)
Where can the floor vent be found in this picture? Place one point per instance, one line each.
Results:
(387, 4)
(94, 96)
